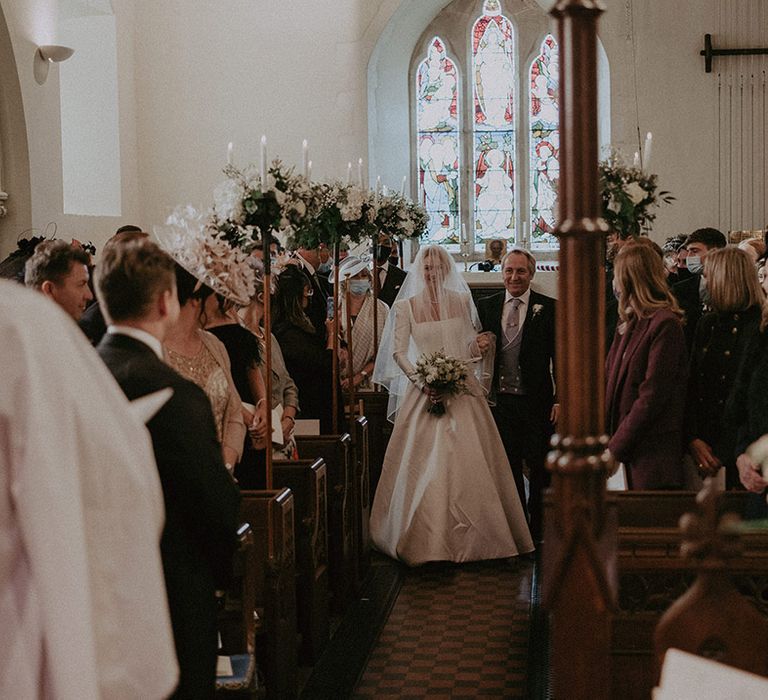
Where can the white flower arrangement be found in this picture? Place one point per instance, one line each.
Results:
(400, 218)
(629, 196)
(446, 375)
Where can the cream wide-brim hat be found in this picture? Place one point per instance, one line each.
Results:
(349, 267)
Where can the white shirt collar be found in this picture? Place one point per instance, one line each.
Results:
(140, 335)
(384, 266)
(523, 297)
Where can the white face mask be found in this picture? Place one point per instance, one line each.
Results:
(694, 264)
(359, 287)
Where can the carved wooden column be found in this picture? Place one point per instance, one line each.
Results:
(580, 530)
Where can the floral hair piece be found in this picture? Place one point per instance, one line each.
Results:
(206, 254)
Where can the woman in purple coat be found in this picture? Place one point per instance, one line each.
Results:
(647, 370)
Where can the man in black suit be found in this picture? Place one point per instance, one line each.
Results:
(317, 311)
(137, 288)
(92, 321)
(391, 277)
(523, 322)
(689, 293)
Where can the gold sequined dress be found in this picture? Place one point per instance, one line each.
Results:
(210, 370)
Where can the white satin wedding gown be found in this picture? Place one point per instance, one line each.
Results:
(446, 491)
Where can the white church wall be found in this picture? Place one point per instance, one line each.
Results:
(676, 101)
(208, 73)
(32, 23)
(14, 156)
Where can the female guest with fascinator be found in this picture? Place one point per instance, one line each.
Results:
(355, 275)
(206, 266)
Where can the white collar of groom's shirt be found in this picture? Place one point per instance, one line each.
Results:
(140, 335)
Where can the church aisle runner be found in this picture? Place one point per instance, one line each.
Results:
(456, 631)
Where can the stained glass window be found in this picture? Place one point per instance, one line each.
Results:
(545, 144)
(493, 82)
(437, 123)
(488, 151)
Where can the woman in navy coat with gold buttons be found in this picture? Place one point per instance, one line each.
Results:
(720, 341)
(646, 368)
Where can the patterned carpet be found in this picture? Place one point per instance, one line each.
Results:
(456, 631)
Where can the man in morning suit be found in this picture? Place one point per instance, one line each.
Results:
(391, 277)
(92, 322)
(523, 322)
(136, 284)
(317, 311)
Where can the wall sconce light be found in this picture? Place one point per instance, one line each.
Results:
(47, 54)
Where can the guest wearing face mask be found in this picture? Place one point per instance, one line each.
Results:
(689, 292)
(326, 262)
(309, 261)
(391, 277)
(674, 259)
(722, 336)
(354, 274)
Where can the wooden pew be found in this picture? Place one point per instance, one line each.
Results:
(336, 451)
(236, 622)
(362, 500)
(271, 515)
(307, 479)
(374, 408)
(652, 575)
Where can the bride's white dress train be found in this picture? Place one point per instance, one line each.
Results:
(446, 491)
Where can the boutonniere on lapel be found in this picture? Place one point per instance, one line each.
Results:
(536, 310)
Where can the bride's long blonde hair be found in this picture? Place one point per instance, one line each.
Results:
(641, 283)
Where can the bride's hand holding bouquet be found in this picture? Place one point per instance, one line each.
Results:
(442, 376)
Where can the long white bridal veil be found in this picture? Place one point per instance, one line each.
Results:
(433, 292)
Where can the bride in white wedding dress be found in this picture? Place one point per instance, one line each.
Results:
(446, 491)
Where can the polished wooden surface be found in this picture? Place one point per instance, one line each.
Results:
(580, 528)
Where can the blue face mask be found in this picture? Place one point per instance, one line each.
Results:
(359, 287)
(324, 267)
(694, 264)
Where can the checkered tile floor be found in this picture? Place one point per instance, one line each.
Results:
(455, 631)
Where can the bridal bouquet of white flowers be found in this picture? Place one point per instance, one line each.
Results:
(444, 375)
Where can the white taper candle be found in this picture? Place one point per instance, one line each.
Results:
(647, 151)
(263, 169)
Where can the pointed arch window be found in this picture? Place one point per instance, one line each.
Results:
(487, 149)
(493, 141)
(544, 154)
(439, 143)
